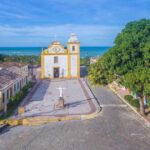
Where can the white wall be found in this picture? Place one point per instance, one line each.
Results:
(74, 63)
(49, 64)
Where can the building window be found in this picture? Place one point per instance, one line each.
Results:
(26, 79)
(7, 94)
(10, 92)
(18, 85)
(73, 48)
(55, 59)
(3, 97)
(15, 88)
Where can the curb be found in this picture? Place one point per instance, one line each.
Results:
(28, 122)
(57, 119)
(141, 117)
(41, 120)
(90, 116)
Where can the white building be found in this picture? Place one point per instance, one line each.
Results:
(60, 62)
(13, 76)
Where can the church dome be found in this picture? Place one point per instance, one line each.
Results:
(73, 38)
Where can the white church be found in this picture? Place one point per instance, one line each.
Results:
(60, 62)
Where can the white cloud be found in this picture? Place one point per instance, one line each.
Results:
(88, 34)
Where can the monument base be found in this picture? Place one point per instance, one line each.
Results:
(61, 103)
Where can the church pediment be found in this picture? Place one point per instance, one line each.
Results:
(55, 47)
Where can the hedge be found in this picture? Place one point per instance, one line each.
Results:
(132, 101)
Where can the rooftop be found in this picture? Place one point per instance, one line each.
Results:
(6, 77)
(9, 71)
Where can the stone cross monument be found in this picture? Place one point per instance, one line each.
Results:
(61, 91)
(61, 99)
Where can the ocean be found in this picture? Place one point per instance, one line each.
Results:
(84, 51)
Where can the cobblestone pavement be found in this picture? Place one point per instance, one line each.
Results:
(117, 128)
(46, 97)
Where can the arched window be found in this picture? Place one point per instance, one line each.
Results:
(73, 48)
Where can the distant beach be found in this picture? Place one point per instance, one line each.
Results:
(84, 51)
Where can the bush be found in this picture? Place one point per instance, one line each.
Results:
(128, 98)
(132, 101)
(135, 103)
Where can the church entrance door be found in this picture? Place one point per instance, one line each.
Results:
(56, 72)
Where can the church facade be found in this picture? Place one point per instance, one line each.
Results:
(60, 62)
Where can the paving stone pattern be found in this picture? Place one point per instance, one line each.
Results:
(46, 97)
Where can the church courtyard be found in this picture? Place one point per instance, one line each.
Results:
(78, 99)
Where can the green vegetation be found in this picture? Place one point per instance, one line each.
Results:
(131, 49)
(21, 59)
(85, 61)
(99, 75)
(128, 61)
(139, 82)
(132, 101)
(2, 57)
(15, 100)
(149, 103)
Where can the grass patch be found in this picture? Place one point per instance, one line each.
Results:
(15, 100)
(134, 102)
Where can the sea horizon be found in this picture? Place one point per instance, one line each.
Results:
(85, 51)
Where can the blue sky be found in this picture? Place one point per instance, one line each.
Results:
(96, 22)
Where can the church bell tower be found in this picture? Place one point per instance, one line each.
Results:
(73, 47)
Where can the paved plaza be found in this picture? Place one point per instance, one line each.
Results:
(45, 98)
(116, 128)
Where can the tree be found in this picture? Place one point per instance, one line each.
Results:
(139, 82)
(21, 59)
(131, 49)
(99, 75)
(129, 59)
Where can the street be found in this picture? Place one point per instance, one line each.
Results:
(116, 128)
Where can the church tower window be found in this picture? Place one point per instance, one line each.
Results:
(55, 59)
(73, 48)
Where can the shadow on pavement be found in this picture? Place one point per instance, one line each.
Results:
(74, 104)
(83, 71)
(5, 128)
(42, 89)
